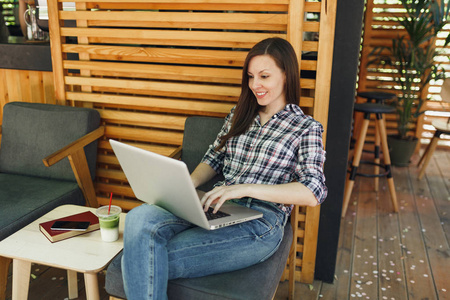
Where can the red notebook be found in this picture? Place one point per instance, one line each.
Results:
(58, 235)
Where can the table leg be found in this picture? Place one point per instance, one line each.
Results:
(4, 269)
(91, 283)
(72, 284)
(21, 279)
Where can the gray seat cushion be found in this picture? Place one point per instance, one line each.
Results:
(257, 282)
(23, 199)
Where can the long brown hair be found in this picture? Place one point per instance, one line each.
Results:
(247, 107)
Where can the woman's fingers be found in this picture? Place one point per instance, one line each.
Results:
(215, 196)
(223, 193)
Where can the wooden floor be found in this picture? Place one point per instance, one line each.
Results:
(382, 255)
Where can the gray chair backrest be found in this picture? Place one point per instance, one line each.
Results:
(32, 131)
(199, 134)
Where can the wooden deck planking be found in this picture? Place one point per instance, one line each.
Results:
(391, 281)
(417, 270)
(362, 281)
(438, 178)
(382, 255)
(340, 288)
(430, 204)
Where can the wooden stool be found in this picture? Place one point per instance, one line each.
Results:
(379, 110)
(380, 98)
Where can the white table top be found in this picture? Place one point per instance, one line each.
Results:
(86, 253)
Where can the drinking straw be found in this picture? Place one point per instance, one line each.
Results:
(110, 200)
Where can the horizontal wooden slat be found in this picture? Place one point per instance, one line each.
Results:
(186, 89)
(184, 1)
(160, 149)
(125, 204)
(152, 71)
(279, 6)
(157, 19)
(159, 55)
(143, 119)
(109, 160)
(387, 34)
(145, 135)
(306, 102)
(312, 6)
(310, 46)
(170, 37)
(311, 26)
(111, 174)
(116, 189)
(152, 102)
(308, 65)
(390, 6)
(211, 7)
(306, 83)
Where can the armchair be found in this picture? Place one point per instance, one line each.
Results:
(34, 176)
(256, 282)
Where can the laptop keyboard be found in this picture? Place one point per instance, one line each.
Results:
(210, 216)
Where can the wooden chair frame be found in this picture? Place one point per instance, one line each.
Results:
(75, 153)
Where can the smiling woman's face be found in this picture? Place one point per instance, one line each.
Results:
(267, 81)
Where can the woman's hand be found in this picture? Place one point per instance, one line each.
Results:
(220, 194)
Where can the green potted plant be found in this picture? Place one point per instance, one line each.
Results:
(411, 57)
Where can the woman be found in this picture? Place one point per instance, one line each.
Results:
(271, 156)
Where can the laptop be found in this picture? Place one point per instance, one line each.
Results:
(166, 182)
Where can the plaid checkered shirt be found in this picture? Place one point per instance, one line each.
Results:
(287, 148)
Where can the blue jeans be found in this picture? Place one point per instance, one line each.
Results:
(159, 246)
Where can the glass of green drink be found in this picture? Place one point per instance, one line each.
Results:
(109, 222)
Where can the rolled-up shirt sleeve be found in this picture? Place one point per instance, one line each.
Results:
(311, 159)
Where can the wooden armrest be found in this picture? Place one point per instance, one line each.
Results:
(176, 154)
(74, 146)
(0, 128)
(77, 158)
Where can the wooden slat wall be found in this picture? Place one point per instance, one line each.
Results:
(146, 65)
(379, 30)
(26, 86)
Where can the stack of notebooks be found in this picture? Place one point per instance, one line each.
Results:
(58, 235)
